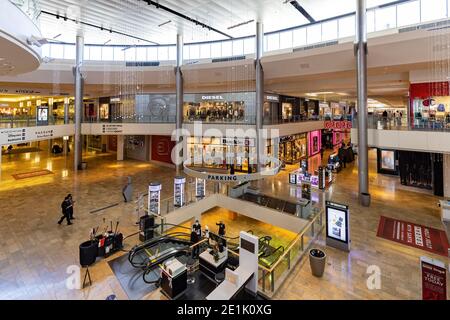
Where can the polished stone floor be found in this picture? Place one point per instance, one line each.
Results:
(36, 252)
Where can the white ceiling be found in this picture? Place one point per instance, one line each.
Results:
(137, 18)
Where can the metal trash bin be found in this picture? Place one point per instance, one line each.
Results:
(317, 259)
(83, 166)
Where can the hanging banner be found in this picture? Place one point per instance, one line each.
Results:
(434, 279)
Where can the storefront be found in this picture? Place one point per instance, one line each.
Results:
(271, 106)
(161, 150)
(430, 105)
(314, 142)
(292, 149)
(236, 107)
(222, 153)
(136, 147)
(312, 108)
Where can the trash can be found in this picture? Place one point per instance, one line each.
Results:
(83, 166)
(365, 199)
(88, 253)
(317, 262)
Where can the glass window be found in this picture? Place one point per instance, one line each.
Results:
(141, 54)
(173, 53)
(46, 50)
(95, 53)
(86, 53)
(205, 51)
(152, 53)
(108, 53)
(186, 54)
(299, 37)
(286, 40)
(227, 49)
(347, 27)
(433, 9)
(370, 21)
(57, 51)
(273, 41)
(238, 47)
(330, 30)
(119, 54)
(265, 44)
(249, 46)
(69, 52)
(130, 54)
(385, 18)
(194, 51)
(163, 53)
(314, 33)
(216, 50)
(408, 13)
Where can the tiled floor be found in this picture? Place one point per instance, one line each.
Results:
(36, 251)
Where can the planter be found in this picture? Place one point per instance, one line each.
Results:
(317, 259)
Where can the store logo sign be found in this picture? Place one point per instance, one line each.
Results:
(212, 98)
(162, 148)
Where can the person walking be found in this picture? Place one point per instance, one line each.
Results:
(70, 206)
(64, 208)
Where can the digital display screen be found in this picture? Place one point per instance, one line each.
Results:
(247, 245)
(388, 160)
(337, 227)
(42, 115)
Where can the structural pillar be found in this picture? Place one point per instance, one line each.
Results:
(120, 147)
(259, 94)
(66, 121)
(179, 97)
(78, 148)
(361, 74)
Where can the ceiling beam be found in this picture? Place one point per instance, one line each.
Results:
(110, 30)
(185, 17)
(302, 10)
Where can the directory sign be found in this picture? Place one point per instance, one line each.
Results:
(42, 116)
(337, 225)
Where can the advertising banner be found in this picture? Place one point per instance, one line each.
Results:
(42, 116)
(434, 279)
(417, 236)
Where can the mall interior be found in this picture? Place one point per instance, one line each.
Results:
(224, 150)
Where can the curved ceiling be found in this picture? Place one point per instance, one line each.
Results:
(150, 24)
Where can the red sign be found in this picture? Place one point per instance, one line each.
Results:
(434, 280)
(425, 238)
(338, 125)
(162, 148)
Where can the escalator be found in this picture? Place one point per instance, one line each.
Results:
(139, 256)
(159, 259)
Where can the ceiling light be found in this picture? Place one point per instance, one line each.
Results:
(164, 23)
(241, 24)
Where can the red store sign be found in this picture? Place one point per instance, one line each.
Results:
(338, 125)
(434, 279)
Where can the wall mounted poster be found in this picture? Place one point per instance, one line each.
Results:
(42, 116)
(388, 160)
(434, 279)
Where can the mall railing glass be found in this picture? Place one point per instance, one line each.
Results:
(378, 122)
(395, 15)
(9, 121)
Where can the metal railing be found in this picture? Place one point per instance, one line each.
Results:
(378, 122)
(27, 121)
(390, 16)
(271, 278)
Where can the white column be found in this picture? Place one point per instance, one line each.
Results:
(120, 147)
(78, 147)
(447, 175)
(179, 94)
(259, 93)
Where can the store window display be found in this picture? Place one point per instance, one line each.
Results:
(222, 153)
(292, 149)
(220, 107)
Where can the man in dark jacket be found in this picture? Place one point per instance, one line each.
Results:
(221, 226)
(194, 240)
(70, 206)
(64, 208)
